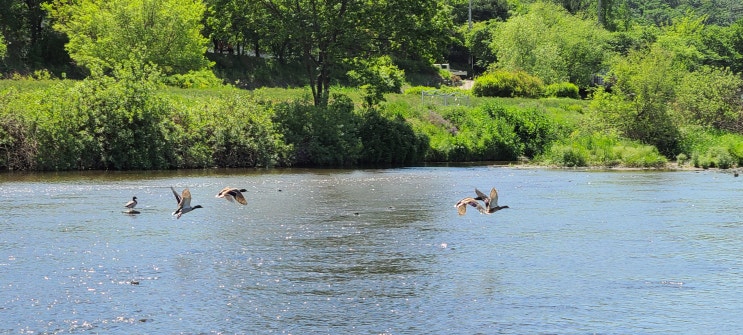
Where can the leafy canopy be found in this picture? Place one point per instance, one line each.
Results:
(103, 33)
(552, 44)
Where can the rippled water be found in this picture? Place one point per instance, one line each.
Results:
(373, 252)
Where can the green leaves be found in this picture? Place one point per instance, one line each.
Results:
(551, 44)
(103, 33)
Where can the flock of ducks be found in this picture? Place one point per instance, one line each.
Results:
(184, 200)
(489, 206)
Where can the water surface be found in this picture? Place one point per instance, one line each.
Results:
(372, 252)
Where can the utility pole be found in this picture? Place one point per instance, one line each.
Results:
(470, 15)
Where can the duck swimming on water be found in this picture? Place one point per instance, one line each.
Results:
(231, 193)
(184, 202)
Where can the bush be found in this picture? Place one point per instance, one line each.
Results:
(194, 79)
(502, 83)
(103, 122)
(390, 141)
(487, 133)
(562, 90)
(710, 147)
(127, 121)
(600, 149)
(326, 136)
(533, 129)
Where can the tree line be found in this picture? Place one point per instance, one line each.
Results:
(330, 38)
(655, 71)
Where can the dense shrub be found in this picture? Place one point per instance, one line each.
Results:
(488, 132)
(562, 90)
(532, 127)
(390, 141)
(710, 97)
(194, 79)
(709, 147)
(600, 149)
(127, 121)
(103, 122)
(326, 136)
(502, 83)
(232, 129)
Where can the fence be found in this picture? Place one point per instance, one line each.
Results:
(446, 99)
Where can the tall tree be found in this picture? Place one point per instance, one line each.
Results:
(30, 43)
(104, 33)
(552, 44)
(327, 34)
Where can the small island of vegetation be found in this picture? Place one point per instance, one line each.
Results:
(144, 84)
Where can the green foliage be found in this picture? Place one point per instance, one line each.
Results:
(390, 141)
(488, 132)
(3, 47)
(334, 31)
(231, 129)
(126, 121)
(532, 127)
(638, 106)
(710, 97)
(600, 149)
(376, 77)
(551, 44)
(477, 40)
(562, 90)
(194, 79)
(104, 33)
(501, 83)
(711, 148)
(99, 123)
(326, 136)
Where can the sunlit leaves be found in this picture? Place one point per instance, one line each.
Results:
(552, 44)
(103, 33)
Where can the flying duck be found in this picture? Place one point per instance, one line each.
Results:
(231, 193)
(184, 203)
(131, 204)
(491, 203)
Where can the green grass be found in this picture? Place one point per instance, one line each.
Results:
(453, 130)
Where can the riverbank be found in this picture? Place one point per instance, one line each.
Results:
(117, 124)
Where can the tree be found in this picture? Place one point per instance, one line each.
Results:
(3, 47)
(552, 44)
(29, 43)
(104, 33)
(639, 104)
(325, 34)
(482, 10)
(710, 97)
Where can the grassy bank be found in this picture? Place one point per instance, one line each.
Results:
(129, 122)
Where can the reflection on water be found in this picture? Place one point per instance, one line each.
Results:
(371, 251)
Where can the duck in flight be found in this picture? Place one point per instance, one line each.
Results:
(231, 193)
(184, 203)
(491, 203)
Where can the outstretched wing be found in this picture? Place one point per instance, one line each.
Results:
(177, 196)
(185, 198)
(483, 197)
(493, 198)
(462, 205)
(238, 196)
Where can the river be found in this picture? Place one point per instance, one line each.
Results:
(372, 252)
